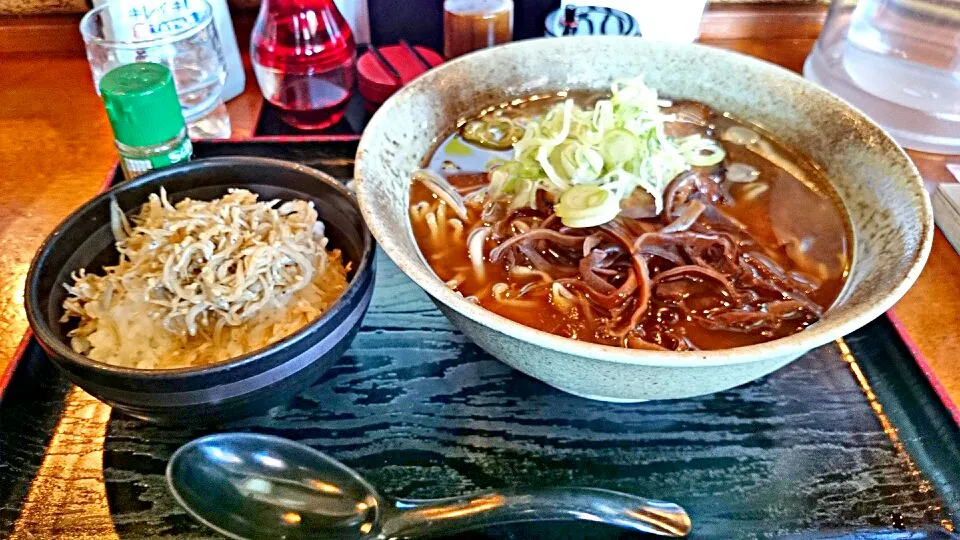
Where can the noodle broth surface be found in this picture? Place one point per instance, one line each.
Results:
(790, 213)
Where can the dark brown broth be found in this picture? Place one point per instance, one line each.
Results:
(809, 208)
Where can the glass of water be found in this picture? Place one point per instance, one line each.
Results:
(899, 62)
(179, 34)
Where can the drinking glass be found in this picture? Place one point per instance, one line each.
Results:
(899, 62)
(179, 34)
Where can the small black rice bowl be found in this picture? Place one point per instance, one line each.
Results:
(238, 387)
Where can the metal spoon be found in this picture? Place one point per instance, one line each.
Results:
(258, 486)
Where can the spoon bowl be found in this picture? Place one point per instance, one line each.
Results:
(246, 485)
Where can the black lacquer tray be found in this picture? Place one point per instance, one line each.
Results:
(850, 441)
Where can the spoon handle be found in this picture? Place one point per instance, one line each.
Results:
(418, 519)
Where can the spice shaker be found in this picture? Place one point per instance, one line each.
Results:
(144, 112)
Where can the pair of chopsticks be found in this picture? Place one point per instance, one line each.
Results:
(382, 60)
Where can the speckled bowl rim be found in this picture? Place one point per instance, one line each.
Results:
(827, 330)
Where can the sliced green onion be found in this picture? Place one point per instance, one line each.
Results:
(591, 159)
(501, 182)
(565, 128)
(587, 206)
(564, 159)
(495, 163)
(579, 162)
(591, 163)
(524, 194)
(495, 133)
(701, 152)
(543, 158)
(618, 147)
(603, 117)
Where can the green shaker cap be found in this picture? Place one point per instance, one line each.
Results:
(142, 104)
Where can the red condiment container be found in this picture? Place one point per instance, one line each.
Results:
(379, 78)
(303, 55)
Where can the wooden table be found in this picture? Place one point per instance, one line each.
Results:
(56, 148)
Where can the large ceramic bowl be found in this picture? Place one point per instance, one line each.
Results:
(888, 206)
(238, 387)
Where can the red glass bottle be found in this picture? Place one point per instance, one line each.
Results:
(303, 55)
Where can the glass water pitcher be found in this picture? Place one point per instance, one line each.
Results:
(899, 62)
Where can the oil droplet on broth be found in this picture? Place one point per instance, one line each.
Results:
(456, 147)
